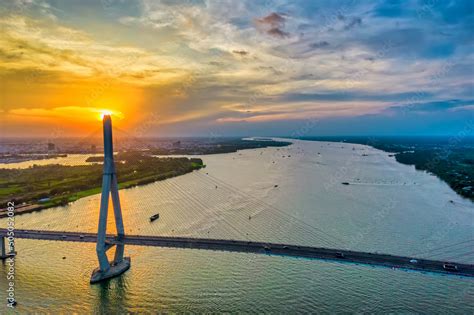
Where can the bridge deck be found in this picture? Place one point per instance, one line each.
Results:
(254, 247)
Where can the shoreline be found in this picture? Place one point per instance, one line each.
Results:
(62, 201)
(90, 192)
(42, 187)
(392, 151)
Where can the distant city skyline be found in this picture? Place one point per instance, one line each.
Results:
(236, 68)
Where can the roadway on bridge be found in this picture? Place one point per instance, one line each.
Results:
(255, 247)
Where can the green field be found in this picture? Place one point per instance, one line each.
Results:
(62, 184)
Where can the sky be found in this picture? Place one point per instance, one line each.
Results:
(223, 68)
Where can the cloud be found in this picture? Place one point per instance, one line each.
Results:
(320, 44)
(273, 20)
(277, 32)
(69, 112)
(181, 56)
(307, 110)
(240, 52)
(41, 47)
(273, 25)
(355, 21)
(436, 106)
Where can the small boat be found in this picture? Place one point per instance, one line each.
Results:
(154, 217)
(345, 183)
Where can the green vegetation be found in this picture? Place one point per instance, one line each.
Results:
(60, 184)
(456, 167)
(216, 146)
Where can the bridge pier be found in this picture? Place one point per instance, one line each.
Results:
(3, 250)
(109, 269)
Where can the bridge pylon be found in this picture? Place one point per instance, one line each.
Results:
(120, 264)
(4, 254)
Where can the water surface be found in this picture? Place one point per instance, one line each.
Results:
(292, 195)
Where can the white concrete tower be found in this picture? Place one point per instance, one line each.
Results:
(120, 264)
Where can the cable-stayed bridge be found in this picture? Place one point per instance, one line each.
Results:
(341, 255)
(222, 225)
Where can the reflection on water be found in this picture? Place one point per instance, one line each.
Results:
(111, 296)
(388, 207)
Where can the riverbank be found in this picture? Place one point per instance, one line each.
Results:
(448, 158)
(216, 146)
(41, 187)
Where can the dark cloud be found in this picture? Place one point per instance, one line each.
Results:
(240, 52)
(319, 44)
(277, 32)
(355, 21)
(307, 76)
(274, 20)
(273, 25)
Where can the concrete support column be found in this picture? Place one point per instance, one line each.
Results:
(109, 187)
(3, 252)
(102, 228)
(120, 248)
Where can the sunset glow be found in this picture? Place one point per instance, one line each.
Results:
(106, 112)
(197, 67)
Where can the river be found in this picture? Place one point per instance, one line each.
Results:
(293, 195)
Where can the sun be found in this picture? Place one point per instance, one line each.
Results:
(105, 112)
(102, 112)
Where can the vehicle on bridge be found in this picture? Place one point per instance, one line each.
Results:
(340, 255)
(450, 267)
